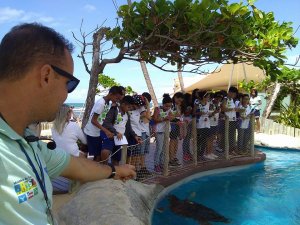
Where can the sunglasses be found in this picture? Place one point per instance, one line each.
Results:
(71, 83)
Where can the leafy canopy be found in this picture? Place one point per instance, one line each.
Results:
(200, 32)
(107, 82)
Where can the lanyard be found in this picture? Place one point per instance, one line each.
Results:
(41, 179)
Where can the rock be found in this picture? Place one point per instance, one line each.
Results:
(110, 202)
(277, 141)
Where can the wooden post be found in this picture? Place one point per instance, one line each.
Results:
(123, 155)
(166, 149)
(226, 136)
(194, 136)
(252, 128)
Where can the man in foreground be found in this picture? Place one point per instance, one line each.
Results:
(36, 70)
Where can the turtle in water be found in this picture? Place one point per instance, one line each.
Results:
(194, 210)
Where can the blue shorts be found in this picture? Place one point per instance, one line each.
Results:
(146, 144)
(257, 113)
(175, 131)
(116, 153)
(214, 130)
(94, 145)
(133, 148)
(107, 143)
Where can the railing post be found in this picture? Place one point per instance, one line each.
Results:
(194, 136)
(123, 154)
(166, 149)
(252, 128)
(226, 138)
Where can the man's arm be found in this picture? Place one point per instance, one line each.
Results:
(85, 170)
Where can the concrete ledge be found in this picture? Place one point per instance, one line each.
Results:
(191, 169)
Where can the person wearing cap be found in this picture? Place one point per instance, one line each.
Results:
(134, 153)
(36, 75)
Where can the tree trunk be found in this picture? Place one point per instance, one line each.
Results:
(271, 100)
(149, 83)
(180, 78)
(96, 69)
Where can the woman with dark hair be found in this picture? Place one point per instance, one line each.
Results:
(202, 113)
(176, 127)
(187, 109)
(255, 102)
(160, 116)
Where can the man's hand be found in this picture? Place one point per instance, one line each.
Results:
(125, 172)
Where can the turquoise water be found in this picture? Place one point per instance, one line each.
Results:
(266, 193)
(76, 105)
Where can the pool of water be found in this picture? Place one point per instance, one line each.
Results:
(266, 193)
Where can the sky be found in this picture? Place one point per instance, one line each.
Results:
(65, 16)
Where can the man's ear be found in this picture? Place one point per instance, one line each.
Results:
(45, 72)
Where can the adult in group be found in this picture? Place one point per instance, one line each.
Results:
(255, 102)
(66, 132)
(36, 70)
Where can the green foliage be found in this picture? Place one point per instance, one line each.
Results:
(107, 82)
(290, 116)
(259, 86)
(197, 32)
(290, 85)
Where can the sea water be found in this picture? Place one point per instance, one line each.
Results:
(267, 193)
(78, 109)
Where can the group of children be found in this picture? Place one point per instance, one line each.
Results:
(210, 110)
(118, 118)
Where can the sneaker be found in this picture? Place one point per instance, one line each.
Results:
(173, 163)
(187, 157)
(177, 162)
(214, 156)
(209, 157)
(158, 169)
(218, 149)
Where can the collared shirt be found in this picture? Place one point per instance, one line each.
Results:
(21, 197)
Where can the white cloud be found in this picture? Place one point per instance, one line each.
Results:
(46, 19)
(89, 8)
(8, 14)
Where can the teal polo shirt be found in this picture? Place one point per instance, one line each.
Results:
(21, 197)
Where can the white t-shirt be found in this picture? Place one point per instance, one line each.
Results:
(230, 105)
(144, 126)
(245, 122)
(67, 140)
(214, 120)
(203, 121)
(255, 102)
(120, 123)
(100, 108)
(135, 117)
(160, 127)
